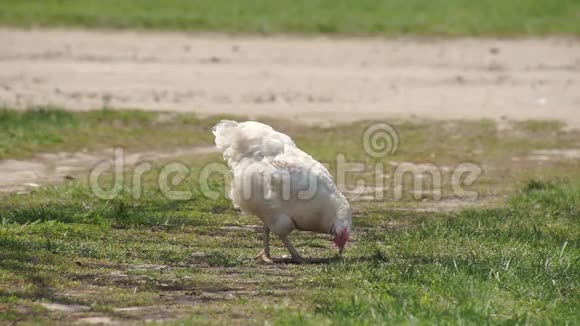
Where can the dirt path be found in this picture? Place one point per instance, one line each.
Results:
(22, 176)
(312, 80)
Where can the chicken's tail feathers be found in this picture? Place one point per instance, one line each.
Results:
(223, 133)
(248, 139)
(231, 141)
(223, 124)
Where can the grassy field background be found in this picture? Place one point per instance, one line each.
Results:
(342, 17)
(514, 257)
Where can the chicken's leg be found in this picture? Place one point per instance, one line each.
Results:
(264, 255)
(295, 255)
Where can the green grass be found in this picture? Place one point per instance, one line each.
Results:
(23, 133)
(366, 17)
(513, 264)
(515, 260)
(518, 264)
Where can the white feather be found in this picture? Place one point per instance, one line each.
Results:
(279, 183)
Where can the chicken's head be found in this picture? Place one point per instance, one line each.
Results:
(340, 238)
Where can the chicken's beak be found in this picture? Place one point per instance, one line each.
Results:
(340, 250)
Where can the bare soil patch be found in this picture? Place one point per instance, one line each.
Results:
(310, 79)
(48, 168)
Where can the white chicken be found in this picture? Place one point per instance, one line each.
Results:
(282, 185)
